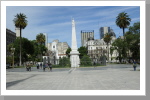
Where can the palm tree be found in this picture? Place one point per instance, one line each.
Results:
(107, 39)
(20, 22)
(40, 38)
(123, 20)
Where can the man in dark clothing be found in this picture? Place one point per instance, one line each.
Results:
(41, 65)
(50, 66)
(37, 66)
(44, 66)
(134, 65)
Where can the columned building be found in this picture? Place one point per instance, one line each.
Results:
(85, 34)
(10, 38)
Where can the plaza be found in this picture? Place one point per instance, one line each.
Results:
(110, 77)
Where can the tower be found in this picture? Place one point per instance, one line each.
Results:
(85, 34)
(74, 54)
(103, 31)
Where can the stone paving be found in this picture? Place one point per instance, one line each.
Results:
(110, 77)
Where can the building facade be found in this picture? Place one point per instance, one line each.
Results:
(98, 48)
(85, 34)
(10, 38)
(57, 50)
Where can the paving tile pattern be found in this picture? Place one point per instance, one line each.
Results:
(111, 77)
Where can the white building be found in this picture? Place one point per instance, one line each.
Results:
(57, 50)
(98, 48)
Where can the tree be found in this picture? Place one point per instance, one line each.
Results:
(133, 40)
(9, 60)
(20, 22)
(86, 61)
(135, 29)
(40, 38)
(27, 48)
(119, 45)
(36, 50)
(83, 51)
(123, 20)
(9, 47)
(111, 51)
(68, 52)
(65, 62)
(107, 39)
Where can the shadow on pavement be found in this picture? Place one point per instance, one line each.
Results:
(8, 84)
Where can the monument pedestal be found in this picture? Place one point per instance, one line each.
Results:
(74, 58)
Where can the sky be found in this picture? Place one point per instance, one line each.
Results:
(56, 20)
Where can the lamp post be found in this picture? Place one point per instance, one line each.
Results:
(12, 51)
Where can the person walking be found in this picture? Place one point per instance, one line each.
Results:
(37, 65)
(27, 67)
(41, 65)
(134, 65)
(50, 67)
(30, 65)
(44, 66)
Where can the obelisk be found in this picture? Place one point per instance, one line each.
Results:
(74, 54)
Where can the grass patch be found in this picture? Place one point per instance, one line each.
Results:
(59, 66)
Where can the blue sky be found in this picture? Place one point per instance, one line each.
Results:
(56, 20)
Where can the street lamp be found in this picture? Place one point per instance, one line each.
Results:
(12, 52)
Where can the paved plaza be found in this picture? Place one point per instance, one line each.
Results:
(110, 77)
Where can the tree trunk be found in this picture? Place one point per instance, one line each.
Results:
(123, 31)
(20, 47)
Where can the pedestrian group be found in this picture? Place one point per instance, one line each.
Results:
(44, 66)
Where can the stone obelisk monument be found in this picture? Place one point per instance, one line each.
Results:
(74, 54)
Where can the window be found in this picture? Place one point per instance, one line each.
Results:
(53, 46)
